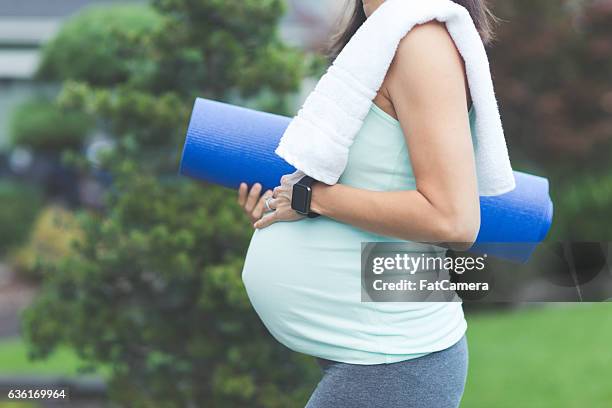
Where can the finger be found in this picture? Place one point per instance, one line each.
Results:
(275, 203)
(266, 220)
(295, 177)
(282, 192)
(253, 197)
(242, 194)
(260, 208)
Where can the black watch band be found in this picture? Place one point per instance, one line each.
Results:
(302, 196)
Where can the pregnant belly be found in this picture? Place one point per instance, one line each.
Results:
(294, 268)
(304, 280)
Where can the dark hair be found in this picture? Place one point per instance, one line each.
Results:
(483, 18)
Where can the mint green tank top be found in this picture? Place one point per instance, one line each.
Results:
(304, 278)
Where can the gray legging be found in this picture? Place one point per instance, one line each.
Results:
(435, 380)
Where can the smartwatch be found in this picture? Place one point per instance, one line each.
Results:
(302, 195)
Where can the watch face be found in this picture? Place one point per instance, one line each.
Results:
(301, 196)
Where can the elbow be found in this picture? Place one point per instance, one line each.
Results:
(459, 231)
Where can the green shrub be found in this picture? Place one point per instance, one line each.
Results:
(19, 206)
(102, 45)
(154, 287)
(43, 126)
(51, 239)
(582, 208)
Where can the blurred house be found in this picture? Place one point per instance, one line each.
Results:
(25, 25)
(308, 24)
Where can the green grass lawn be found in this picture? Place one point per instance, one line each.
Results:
(14, 361)
(18, 405)
(557, 357)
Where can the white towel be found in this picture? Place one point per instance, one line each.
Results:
(318, 139)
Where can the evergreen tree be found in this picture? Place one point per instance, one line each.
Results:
(154, 290)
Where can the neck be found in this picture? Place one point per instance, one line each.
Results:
(370, 6)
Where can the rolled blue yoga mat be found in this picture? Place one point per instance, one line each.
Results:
(227, 145)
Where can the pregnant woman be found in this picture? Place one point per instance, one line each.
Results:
(411, 176)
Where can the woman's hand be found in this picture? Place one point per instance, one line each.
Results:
(253, 202)
(281, 202)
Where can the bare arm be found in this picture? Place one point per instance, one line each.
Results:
(427, 88)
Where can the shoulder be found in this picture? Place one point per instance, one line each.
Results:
(428, 40)
(428, 50)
